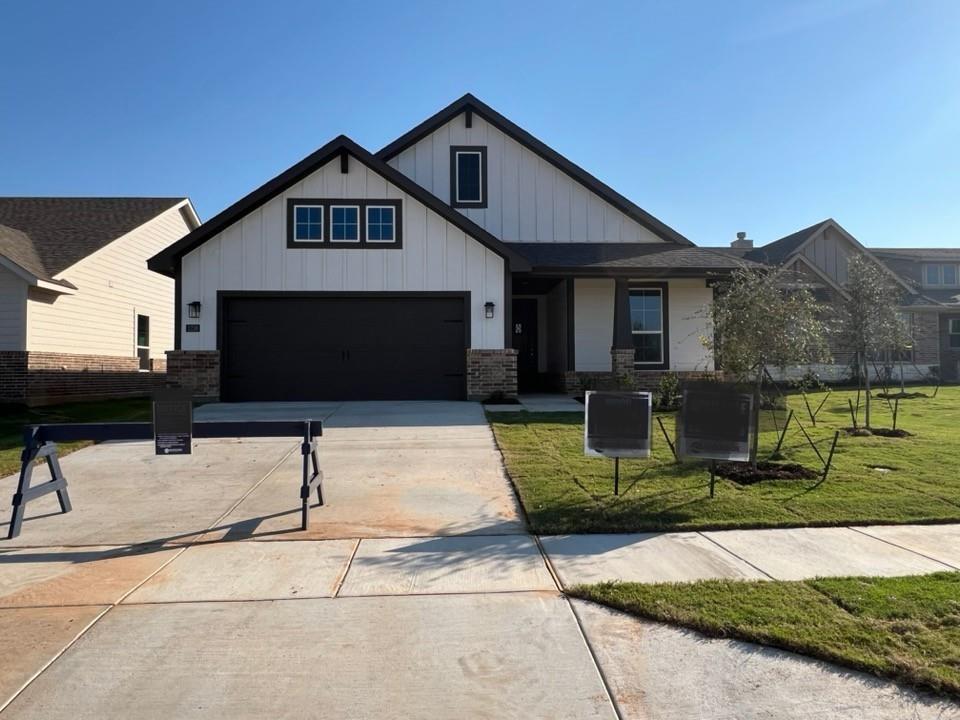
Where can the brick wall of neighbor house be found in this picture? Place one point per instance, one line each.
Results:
(42, 378)
(196, 369)
(491, 372)
(575, 383)
(13, 376)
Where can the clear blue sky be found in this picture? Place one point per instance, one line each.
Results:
(714, 116)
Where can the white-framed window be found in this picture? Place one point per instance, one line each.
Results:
(953, 333)
(344, 223)
(468, 176)
(941, 275)
(143, 342)
(646, 324)
(308, 223)
(381, 223)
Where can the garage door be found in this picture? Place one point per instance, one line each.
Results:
(373, 347)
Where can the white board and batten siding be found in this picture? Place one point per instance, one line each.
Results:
(528, 198)
(688, 303)
(113, 287)
(252, 255)
(13, 311)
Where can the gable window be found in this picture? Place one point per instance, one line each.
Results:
(143, 341)
(953, 333)
(345, 223)
(308, 223)
(647, 326)
(468, 176)
(941, 275)
(380, 223)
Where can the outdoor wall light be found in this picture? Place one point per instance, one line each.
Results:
(193, 309)
(488, 310)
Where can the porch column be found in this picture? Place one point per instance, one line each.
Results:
(621, 351)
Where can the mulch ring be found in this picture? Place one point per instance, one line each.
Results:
(879, 432)
(744, 474)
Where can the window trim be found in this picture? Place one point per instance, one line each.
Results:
(361, 204)
(664, 332)
(323, 216)
(366, 222)
(346, 206)
(456, 150)
(951, 334)
(137, 347)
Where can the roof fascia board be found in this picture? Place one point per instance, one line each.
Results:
(635, 272)
(511, 129)
(166, 261)
(34, 281)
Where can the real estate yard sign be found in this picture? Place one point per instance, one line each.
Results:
(717, 422)
(617, 424)
(173, 422)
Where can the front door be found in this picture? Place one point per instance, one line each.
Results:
(525, 343)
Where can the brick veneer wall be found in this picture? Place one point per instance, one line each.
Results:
(491, 372)
(42, 378)
(575, 383)
(196, 369)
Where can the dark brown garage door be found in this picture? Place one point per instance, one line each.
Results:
(372, 347)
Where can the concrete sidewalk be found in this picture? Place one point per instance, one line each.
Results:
(787, 554)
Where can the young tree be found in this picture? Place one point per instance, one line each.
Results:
(870, 321)
(760, 321)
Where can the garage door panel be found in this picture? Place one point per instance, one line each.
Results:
(340, 348)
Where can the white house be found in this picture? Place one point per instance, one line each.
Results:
(81, 316)
(464, 259)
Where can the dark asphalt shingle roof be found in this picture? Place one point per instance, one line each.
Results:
(776, 252)
(653, 256)
(919, 254)
(46, 235)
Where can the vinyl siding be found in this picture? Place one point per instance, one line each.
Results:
(831, 252)
(113, 287)
(13, 311)
(688, 302)
(528, 198)
(252, 254)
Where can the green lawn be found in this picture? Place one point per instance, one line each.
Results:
(563, 491)
(905, 628)
(14, 417)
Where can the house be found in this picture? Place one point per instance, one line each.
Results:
(81, 316)
(464, 259)
(817, 255)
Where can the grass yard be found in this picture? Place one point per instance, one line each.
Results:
(565, 492)
(906, 628)
(14, 417)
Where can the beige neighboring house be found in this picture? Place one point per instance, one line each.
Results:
(81, 317)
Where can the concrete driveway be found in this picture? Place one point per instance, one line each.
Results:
(183, 587)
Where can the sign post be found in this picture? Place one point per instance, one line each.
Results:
(173, 421)
(616, 425)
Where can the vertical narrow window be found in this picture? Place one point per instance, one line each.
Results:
(308, 223)
(344, 223)
(953, 332)
(931, 274)
(646, 323)
(143, 341)
(949, 275)
(380, 224)
(468, 176)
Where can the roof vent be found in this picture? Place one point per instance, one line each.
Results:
(742, 242)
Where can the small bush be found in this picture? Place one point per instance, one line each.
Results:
(667, 395)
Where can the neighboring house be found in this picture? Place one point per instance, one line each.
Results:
(817, 256)
(464, 255)
(81, 316)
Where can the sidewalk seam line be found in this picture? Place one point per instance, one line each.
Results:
(596, 663)
(741, 559)
(548, 563)
(902, 547)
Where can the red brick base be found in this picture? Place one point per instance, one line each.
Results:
(491, 373)
(195, 369)
(40, 378)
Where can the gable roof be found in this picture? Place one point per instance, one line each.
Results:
(167, 260)
(46, 235)
(776, 252)
(605, 258)
(469, 102)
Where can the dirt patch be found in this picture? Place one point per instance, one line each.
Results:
(744, 473)
(879, 432)
(901, 395)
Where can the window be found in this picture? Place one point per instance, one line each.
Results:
(380, 223)
(468, 176)
(143, 341)
(953, 333)
(646, 323)
(941, 274)
(308, 223)
(345, 223)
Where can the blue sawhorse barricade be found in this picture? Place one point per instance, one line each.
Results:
(40, 442)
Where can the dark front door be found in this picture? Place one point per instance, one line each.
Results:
(525, 343)
(371, 347)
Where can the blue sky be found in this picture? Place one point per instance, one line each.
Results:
(714, 116)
